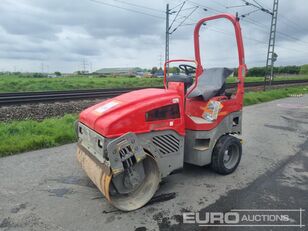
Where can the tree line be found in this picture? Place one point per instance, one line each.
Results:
(255, 71)
(282, 70)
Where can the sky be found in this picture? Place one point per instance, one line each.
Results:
(70, 35)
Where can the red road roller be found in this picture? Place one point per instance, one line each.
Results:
(128, 143)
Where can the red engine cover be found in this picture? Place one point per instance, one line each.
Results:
(126, 113)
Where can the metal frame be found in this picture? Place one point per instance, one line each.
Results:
(270, 59)
(242, 69)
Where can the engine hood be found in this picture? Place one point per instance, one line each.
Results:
(126, 113)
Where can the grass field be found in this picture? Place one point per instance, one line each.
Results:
(11, 83)
(261, 79)
(20, 84)
(20, 136)
(255, 97)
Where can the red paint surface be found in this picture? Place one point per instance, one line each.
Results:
(129, 114)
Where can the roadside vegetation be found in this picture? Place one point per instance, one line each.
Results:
(255, 97)
(14, 83)
(20, 83)
(21, 136)
(261, 79)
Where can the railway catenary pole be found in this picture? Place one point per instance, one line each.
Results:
(167, 37)
(271, 55)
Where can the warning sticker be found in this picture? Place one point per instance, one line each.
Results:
(106, 107)
(211, 111)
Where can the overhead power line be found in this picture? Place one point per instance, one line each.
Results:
(236, 6)
(219, 3)
(132, 7)
(254, 23)
(127, 9)
(258, 6)
(176, 6)
(249, 13)
(282, 34)
(169, 29)
(257, 3)
(177, 14)
(204, 7)
(185, 18)
(189, 8)
(139, 6)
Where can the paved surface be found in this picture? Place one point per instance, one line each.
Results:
(47, 190)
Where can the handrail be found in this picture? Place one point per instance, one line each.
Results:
(238, 35)
(242, 69)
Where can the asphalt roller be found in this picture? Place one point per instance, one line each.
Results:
(129, 184)
(129, 143)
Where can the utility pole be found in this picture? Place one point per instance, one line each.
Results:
(168, 27)
(167, 37)
(42, 67)
(160, 60)
(84, 65)
(91, 67)
(271, 55)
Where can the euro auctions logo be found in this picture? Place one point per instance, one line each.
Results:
(212, 218)
(247, 217)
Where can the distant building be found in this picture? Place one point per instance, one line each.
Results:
(147, 75)
(139, 73)
(81, 72)
(119, 71)
(159, 74)
(53, 76)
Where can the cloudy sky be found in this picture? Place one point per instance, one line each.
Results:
(66, 35)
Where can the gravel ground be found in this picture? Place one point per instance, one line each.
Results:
(41, 111)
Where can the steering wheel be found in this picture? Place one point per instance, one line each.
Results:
(188, 69)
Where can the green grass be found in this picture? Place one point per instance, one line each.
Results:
(14, 83)
(261, 79)
(21, 136)
(265, 96)
(22, 84)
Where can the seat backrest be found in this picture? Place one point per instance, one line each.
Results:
(210, 82)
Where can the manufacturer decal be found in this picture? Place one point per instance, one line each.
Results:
(175, 100)
(106, 107)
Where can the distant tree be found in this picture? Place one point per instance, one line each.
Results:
(174, 70)
(58, 73)
(256, 71)
(154, 70)
(304, 69)
(38, 75)
(282, 70)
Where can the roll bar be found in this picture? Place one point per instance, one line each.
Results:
(199, 69)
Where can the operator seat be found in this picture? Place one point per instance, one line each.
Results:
(211, 82)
